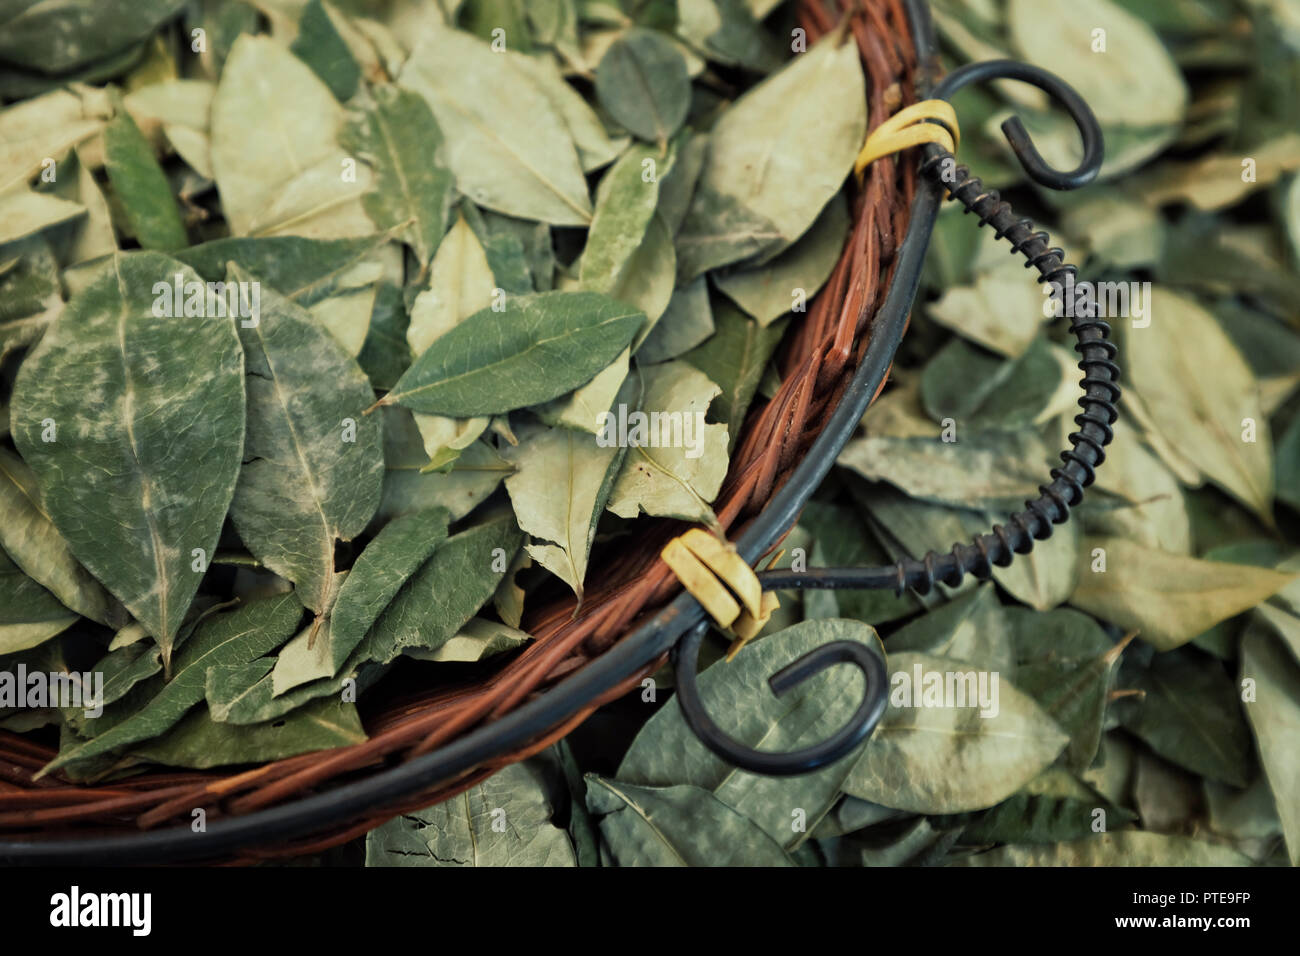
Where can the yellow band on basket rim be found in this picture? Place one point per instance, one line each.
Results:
(715, 574)
(702, 585)
(909, 127)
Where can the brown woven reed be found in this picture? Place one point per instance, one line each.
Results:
(631, 584)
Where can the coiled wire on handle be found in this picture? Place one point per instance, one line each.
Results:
(998, 547)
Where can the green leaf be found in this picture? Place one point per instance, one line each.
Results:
(675, 826)
(641, 81)
(729, 32)
(148, 413)
(409, 487)
(24, 212)
(460, 284)
(308, 656)
(29, 614)
(246, 694)
(308, 271)
(433, 605)
(1148, 508)
(1292, 215)
(94, 236)
(126, 667)
(625, 204)
(31, 296)
(581, 409)
(686, 322)
(972, 628)
(537, 348)
(671, 473)
(484, 18)
(677, 187)
(776, 158)
(948, 759)
(76, 32)
(1065, 661)
(995, 470)
(199, 742)
(667, 752)
(1001, 310)
(851, 814)
(533, 239)
(236, 637)
(508, 147)
(559, 490)
(289, 177)
(384, 355)
(478, 640)
(981, 391)
(46, 126)
(1243, 814)
(1164, 795)
(1215, 181)
(182, 109)
(1049, 574)
(30, 538)
(735, 358)
(1190, 714)
(388, 561)
(1126, 848)
(792, 278)
(1274, 716)
(647, 280)
(509, 255)
(1122, 232)
(596, 148)
(1168, 598)
(912, 842)
(141, 185)
(504, 821)
(1028, 818)
(1210, 254)
(399, 138)
(1202, 418)
(319, 45)
(313, 463)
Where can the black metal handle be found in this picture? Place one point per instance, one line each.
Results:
(804, 760)
(999, 546)
(1097, 354)
(1014, 130)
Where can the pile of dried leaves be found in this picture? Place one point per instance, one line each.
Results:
(313, 315)
(1175, 747)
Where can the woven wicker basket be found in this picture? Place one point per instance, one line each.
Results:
(147, 817)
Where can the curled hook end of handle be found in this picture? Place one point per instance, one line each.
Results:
(1037, 168)
(817, 660)
(1021, 143)
(804, 760)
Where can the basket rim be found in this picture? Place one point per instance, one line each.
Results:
(647, 642)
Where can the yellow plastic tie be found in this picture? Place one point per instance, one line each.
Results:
(715, 574)
(698, 580)
(713, 571)
(909, 127)
(747, 626)
(725, 561)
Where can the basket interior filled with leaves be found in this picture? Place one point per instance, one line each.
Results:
(358, 359)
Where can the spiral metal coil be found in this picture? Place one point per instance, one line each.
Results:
(1100, 394)
(998, 547)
